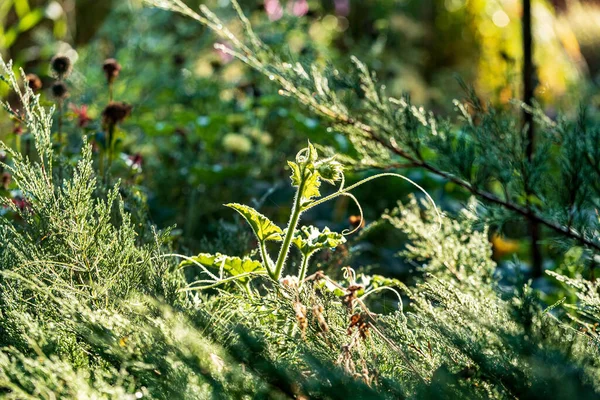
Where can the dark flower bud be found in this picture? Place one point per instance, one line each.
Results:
(6, 178)
(61, 66)
(178, 60)
(34, 82)
(111, 69)
(59, 90)
(115, 112)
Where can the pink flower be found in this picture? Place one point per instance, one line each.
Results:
(21, 203)
(299, 7)
(225, 57)
(82, 116)
(274, 9)
(135, 161)
(342, 7)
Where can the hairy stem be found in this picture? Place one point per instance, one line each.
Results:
(303, 269)
(268, 263)
(287, 240)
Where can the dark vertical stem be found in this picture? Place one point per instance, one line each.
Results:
(28, 148)
(528, 97)
(60, 140)
(111, 140)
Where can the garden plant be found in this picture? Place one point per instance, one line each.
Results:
(366, 257)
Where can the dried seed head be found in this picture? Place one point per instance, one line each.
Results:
(361, 322)
(350, 296)
(300, 311)
(290, 282)
(111, 69)
(318, 312)
(34, 82)
(61, 66)
(115, 113)
(60, 90)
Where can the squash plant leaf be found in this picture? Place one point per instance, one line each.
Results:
(263, 227)
(312, 181)
(310, 239)
(233, 266)
(296, 176)
(311, 187)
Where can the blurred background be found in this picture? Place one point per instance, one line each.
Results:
(206, 130)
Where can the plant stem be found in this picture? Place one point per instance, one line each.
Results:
(303, 269)
(18, 143)
(60, 146)
(266, 259)
(248, 288)
(528, 97)
(101, 163)
(287, 241)
(111, 134)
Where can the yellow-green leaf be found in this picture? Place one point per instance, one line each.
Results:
(296, 176)
(311, 187)
(263, 227)
(233, 266)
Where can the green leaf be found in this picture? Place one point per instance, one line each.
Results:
(262, 226)
(312, 153)
(296, 176)
(312, 181)
(233, 266)
(307, 155)
(310, 239)
(304, 170)
(311, 187)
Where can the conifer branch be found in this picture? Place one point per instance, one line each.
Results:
(490, 197)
